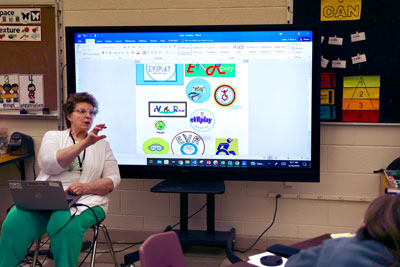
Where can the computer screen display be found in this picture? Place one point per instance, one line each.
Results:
(230, 102)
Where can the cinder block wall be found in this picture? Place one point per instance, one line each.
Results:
(349, 152)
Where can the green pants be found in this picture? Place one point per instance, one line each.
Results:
(21, 227)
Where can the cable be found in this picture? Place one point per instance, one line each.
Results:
(17, 165)
(61, 127)
(122, 250)
(172, 227)
(34, 170)
(96, 233)
(272, 223)
(140, 242)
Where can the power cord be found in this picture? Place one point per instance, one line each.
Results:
(205, 205)
(140, 242)
(96, 233)
(272, 223)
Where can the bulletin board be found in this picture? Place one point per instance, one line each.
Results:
(380, 22)
(38, 57)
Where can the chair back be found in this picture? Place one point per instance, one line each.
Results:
(162, 250)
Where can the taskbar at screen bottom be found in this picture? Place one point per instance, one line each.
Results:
(238, 163)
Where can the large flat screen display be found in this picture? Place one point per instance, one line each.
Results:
(227, 102)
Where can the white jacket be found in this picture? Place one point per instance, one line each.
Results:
(99, 163)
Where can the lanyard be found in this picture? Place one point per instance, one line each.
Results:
(79, 158)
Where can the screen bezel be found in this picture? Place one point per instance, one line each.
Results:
(240, 174)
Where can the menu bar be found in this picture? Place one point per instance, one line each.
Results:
(229, 163)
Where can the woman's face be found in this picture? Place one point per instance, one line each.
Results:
(82, 117)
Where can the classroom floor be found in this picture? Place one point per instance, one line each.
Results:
(198, 256)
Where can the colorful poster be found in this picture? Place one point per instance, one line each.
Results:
(20, 15)
(328, 86)
(361, 98)
(31, 91)
(20, 33)
(337, 10)
(9, 91)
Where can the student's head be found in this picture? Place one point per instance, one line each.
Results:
(7, 87)
(382, 222)
(31, 87)
(72, 100)
(14, 86)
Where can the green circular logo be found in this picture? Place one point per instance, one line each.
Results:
(156, 146)
(160, 125)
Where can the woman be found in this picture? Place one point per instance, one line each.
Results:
(86, 166)
(377, 241)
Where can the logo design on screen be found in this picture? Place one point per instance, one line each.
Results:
(225, 95)
(227, 146)
(167, 109)
(188, 143)
(202, 120)
(210, 70)
(160, 72)
(198, 90)
(160, 126)
(156, 146)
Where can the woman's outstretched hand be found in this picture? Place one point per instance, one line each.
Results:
(94, 136)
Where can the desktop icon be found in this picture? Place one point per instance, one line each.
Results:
(253, 163)
(222, 162)
(180, 162)
(208, 162)
(187, 162)
(230, 163)
(201, 162)
(194, 162)
(244, 163)
(237, 163)
(159, 161)
(151, 161)
(166, 162)
(215, 162)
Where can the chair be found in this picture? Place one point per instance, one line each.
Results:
(162, 250)
(93, 254)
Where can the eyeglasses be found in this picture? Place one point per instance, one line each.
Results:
(83, 112)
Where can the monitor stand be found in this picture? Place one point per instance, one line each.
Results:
(188, 237)
(197, 237)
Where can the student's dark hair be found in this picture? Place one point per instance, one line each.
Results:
(72, 100)
(382, 223)
(31, 85)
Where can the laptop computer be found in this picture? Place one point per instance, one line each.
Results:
(41, 195)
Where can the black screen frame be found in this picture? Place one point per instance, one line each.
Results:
(194, 173)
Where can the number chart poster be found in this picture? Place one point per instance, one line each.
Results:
(31, 91)
(9, 91)
(361, 98)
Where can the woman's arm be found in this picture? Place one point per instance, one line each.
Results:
(110, 178)
(67, 155)
(99, 187)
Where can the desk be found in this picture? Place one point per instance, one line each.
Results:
(8, 159)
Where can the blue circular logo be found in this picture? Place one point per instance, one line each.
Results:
(189, 149)
(198, 90)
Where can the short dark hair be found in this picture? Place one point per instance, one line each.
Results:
(72, 100)
(382, 223)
